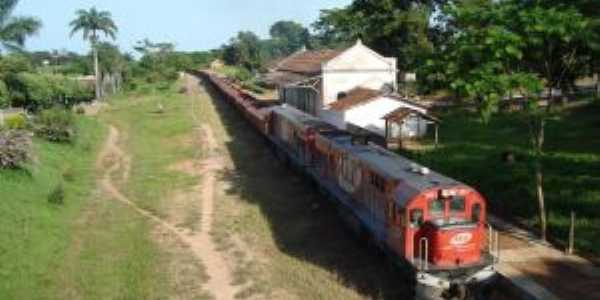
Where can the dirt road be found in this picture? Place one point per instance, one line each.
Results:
(114, 163)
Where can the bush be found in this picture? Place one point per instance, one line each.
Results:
(55, 125)
(57, 195)
(4, 95)
(68, 174)
(15, 148)
(16, 122)
(38, 91)
(80, 110)
(252, 87)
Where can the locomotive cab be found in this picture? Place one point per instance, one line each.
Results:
(448, 228)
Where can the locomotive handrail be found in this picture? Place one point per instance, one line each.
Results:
(424, 263)
(493, 244)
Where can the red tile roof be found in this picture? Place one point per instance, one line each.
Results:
(307, 62)
(355, 97)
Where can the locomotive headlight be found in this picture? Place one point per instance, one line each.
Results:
(447, 193)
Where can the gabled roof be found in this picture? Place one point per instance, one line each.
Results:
(307, 62)
(403, 112)
(355, 97)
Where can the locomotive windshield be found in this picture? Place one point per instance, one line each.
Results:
(450, 211)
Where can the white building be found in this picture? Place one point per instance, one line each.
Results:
(351, 88)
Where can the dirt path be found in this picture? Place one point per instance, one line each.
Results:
(115, 162)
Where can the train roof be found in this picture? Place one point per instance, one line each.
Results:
(396, 167)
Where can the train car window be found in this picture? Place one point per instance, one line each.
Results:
(457, 204)
(436, 207)
(416, 217)
(476, 213)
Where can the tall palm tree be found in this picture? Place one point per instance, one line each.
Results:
(91, 23)
(14, 30)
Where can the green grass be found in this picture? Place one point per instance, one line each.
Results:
(139, 262)
(34, 235)
(471, 152)
(94, 247)
(155, 141)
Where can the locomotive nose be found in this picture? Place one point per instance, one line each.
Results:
(454, 245)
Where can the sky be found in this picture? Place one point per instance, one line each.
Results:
(190, 24)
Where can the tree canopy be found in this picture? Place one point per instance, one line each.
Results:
(14, 30)
(92, 22)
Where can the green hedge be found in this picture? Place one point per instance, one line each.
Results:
(37, 91)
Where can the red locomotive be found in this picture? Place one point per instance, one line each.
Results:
(433, 224)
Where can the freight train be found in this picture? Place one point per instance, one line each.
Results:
(428, 223)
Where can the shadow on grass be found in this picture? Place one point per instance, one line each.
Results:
(472, 152)
(302, 223)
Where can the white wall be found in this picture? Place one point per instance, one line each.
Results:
(357, 66)
(370, 116)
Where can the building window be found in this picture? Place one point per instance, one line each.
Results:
(341, 95)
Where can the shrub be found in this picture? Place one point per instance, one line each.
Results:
(15, 148)
(16, 122)
(55, 125)
(252, 87)
(38, 91)
(4, 95)
(57, 195)
(80, 110)
(68, 174)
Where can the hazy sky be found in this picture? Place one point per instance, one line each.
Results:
(190, 24)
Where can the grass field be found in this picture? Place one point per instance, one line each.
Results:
(122, 255)
(35, 235)
(94, 247)
(472, 152)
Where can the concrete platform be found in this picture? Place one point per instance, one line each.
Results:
(541, 271)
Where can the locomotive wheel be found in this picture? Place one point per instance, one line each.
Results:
(457, 292)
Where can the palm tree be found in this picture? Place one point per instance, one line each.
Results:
(92, 22)
(14, 30)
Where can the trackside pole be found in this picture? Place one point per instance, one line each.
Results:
(571, 248)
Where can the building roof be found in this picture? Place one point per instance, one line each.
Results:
(355, 97)
(283, 78)
(403, 112)
(307, 62)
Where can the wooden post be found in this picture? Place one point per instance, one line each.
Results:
(571, 249)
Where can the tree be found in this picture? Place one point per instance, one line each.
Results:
(500, 47)
(157, 62)
(244, 50)
(392, 27)
(288, 37)
(556, 40)
(14, 30)
(91, 23)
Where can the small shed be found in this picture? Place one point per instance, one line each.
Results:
(405, 123)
